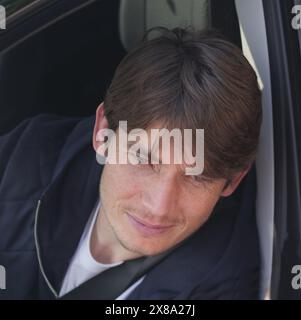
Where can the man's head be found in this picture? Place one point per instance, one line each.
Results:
(187, 80)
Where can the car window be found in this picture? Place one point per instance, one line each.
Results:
(13, 6)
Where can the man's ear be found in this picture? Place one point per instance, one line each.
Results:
(101, 122)
(234, 182)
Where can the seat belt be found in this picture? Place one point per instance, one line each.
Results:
(111, 283)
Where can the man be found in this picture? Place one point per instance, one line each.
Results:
(66, 219)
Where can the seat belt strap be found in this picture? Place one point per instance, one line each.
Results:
(112, 282)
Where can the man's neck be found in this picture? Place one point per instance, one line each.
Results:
(104, 246)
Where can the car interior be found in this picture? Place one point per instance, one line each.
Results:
(66, 67)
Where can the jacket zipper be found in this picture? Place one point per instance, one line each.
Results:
(38, 251)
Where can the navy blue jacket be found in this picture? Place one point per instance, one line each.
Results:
(49, 180)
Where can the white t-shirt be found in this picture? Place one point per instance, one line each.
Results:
(83, 266)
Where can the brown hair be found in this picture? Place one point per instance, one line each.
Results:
(190, 79)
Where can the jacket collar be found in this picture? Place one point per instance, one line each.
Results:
(66, 204)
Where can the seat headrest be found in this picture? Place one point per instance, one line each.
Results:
(137, 16)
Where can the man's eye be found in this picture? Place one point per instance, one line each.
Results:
(142, 159)
(137, 158)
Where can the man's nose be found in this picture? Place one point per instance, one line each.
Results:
(163, 197)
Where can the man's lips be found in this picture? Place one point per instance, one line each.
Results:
(145, 227)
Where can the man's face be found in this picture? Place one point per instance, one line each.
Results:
(147, 208)
(152, 209)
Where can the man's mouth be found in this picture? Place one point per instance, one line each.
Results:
(147, 228)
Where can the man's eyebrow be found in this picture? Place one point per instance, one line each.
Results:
(202, 175)
(130, 143)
